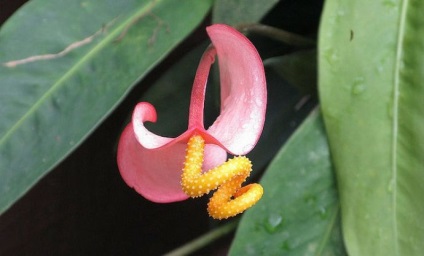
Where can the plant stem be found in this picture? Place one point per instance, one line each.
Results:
(204, 240)
(276, 34)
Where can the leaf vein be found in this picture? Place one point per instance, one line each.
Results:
(395, 123)
(69, 73)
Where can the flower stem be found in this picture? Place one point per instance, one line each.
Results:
(204, 240)
(276, 34)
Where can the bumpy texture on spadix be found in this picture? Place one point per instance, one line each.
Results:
(152, 164)
(230, 199)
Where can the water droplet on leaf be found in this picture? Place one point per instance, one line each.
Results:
(323, 213)
(358, 86)
(286, 246)
(273, 222)
(310, 199)
(341, 13)
(331, 56)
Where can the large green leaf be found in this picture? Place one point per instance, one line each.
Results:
(66, 65)
(371, 62)
(299, 212)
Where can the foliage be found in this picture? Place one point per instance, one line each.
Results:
(344, 177)
(49, 84)
(371, 93)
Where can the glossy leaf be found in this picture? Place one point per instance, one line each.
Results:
(65, 66)
(298, 68)
(288, 107)
(372, 101)
(299, 212)
(234, 12)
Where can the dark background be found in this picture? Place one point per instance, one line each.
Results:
(83, 207)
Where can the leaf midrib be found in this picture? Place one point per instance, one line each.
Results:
(109, 37)
(395, 122)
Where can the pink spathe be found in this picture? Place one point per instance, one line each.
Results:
(152, 164)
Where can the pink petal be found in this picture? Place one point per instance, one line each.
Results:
(243, 90)
(156, 173)
(145, 112)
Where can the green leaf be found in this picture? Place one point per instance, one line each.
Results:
(287, 108)
(299, 212)
(298, 68)
(234, 12)
(371, 74)
(65, 65)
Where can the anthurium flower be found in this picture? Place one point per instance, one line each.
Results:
(166, 169)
